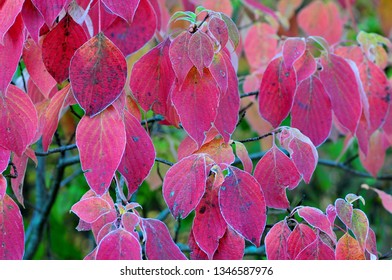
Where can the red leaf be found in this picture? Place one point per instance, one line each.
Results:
(231, 246)
(196, 102)
(52, 116)
(360, 227)
(126, 10)
(317, 250)
(188, 146)
(275, 172)
(50, 9)
(277, 92)
(299, 239)
(195, 252)
(317, 219)
(59, 46)
(276, 241)
(348, 248)
(32, 57)
(386, 198)
(312, 111)
(98, 72)
(9, 11)
(242, 154)
(108, 218)
(341, 85)
(219, 31)
(305, 66)
(119, 245)
(200, 51)
(90, 209)
(4, 158)
(102, 156)
(179, 56)
(32, 19)
(260, 45)
(3, 186)
(152, 78)
(141, 30)
(18, 120)
(10, 52)
(322, 19)
(208, 225)
(183, 193)
(229, 104)
(242, 204)
(302, 151)
(344, 210)
(129, 221)
(11, 230)
(159, 244)
(219, 71)
(293, 49)
(139, 154)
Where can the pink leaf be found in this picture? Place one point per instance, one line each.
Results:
(152, 78)
(4, 158)
(101, 157)
(277, 92)
(32, 57)
(108, 218)
(275, 172)
(141, 30)
(159, 244)
(256, 4)
(386, 198)
(33, 19)
(179, 56)
(9, 11)
(119, 245)
(219, 31)
(242, 204)
(59, 46)
(90, 209)
(322, 19)
(331, 213)
(10, 52)
(52, 116)
(11, 230)
(340, 83)
(129, 221)
(98, 72)
(300, 238)
(360, 227)
(231, 246)
(218, 151)
(17, 183)
(243, 155)
(18, 120)
(371, 243)
(208, 225)
(139, 154)
(50, 9)
(305, 66)
(312, 111)
(219, 71)
(276, 241)
(344, 211)
(293, 49)
(317, 250)
(317, 219)
(197, 110)
(223, 6)
(348, 248)
(200, 50)
(374, 160)
(183, 193)
(3, 186)
(126, 10)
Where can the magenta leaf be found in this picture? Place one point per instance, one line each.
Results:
(184, 185)
(275, 172)
(9, 11)
(18, 120)
(90, 209)
(331, 213)
(231, 246)
(11, 230)
(371, 244)
(360, 227)
(312, 110)
(50, 9)
(179, 56)
(218, 69)
(344, 211)
(141, 30)
(276, 242)
(159, 244)
(197, 110)
(243, 155)
(348, 248)
(126, 10)
(97, 73)
(340, 83)
(3, 186)
(101, 222)
(32, 19)
(299, 239)
(200, 51)
(195, 252)
(277, 92)
(17, 183)
(293, 49)
(317, 250)
(139, 154)
(59, 46)
(119, 245)
(219, 31)
(101, 157)
(305, 66)
(152, 78)
(317, 219)
(242, 204)
(208, 225)
(386, 198)
(129, 221)
(4, 158)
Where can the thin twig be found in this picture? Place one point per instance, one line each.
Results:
(56, 150)
(252, 93)
(164, 161)
(257, 138)
(15, 171)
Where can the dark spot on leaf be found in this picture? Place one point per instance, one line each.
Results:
(135, 138)
(202, 210)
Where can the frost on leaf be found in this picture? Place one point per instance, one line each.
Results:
(276, 241)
